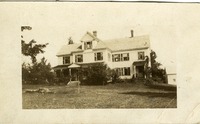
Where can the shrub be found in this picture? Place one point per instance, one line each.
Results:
(38, 73)
(97, 74)
(114, 76)
(149, 82)
(133, 79)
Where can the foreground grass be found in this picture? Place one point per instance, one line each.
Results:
(109, 96)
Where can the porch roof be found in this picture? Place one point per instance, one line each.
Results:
(66, 66)
(59, 67)
(139, 63)
(74, 66)
(89, 64)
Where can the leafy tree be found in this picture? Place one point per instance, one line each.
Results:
(147, 69)
(39, 72)
(26, 28)
(154, 64)
(32, 49)
(155, 71)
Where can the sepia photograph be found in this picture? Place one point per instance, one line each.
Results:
(99, 62)
(95, 60)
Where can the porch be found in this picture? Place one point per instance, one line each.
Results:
(139, 67)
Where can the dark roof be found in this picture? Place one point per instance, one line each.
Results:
(137, 42)
(68, 49)
(129, 43)
(139, 63)
(61, 67)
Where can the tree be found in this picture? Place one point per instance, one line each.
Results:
(26, 28)
(39, 72)
(32, 49)
(155, 70)
(147, 69)
(154, 64)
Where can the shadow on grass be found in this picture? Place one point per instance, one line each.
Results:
(152, 94)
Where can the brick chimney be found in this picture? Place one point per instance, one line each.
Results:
(95, 33)
(132, 33)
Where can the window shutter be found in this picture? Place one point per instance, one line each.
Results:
(85, 45)
(128, 56)
(95, 56)
(101, 55)
(75, 58)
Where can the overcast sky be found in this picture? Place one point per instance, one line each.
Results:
(55, 23)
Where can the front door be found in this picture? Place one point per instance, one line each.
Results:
(140, 71)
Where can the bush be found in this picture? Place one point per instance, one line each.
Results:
(97, 74)
(38, 73)
(115, 77)
(149, 82)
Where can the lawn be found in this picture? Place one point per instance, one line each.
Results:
(125, 95)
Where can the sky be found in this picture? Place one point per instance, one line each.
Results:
(54, 24)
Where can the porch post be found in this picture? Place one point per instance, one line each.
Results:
(70, 75)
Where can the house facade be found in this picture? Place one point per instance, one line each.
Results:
(171, 75)
(125, 55)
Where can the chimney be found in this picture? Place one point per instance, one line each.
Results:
(132, 33)
(95, 33)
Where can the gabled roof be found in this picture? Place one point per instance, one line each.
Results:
(137, 42)
(68, 49)
(100, 45)
(128, 43)
(89, 37)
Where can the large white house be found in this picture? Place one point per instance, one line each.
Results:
(126, 55)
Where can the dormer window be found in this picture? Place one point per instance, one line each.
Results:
(140, 55)
(88, 45)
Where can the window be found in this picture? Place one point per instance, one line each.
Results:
(125, 56)
(66, 60)
(121, 57)
(120, 71)
(98, 56)
(140, 55)
(127, 71)
(116, 57)
(88, 45)
(79, 58)
(123, 71)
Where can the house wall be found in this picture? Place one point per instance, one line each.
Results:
(171, 79)
(133, 56)
(107, 61)
(60, 59)
(88, 56)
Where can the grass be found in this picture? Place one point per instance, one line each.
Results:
(110, 96)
